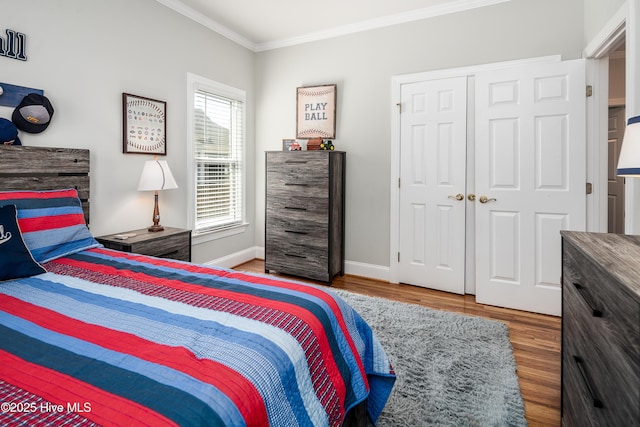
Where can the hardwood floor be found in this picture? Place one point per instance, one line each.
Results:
(535, 338)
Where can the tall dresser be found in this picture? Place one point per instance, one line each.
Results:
(600, 329)
(304, 218)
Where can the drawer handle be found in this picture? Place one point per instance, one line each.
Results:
(296, 184)
(295, 208)
(296, 161)
(295, 232)
(586, 296)
(597, 403)
(295, 255)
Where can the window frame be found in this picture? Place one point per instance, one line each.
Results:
(198, 83)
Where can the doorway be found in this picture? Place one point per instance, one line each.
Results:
(616, 126)
(617, 37)
(615, 184)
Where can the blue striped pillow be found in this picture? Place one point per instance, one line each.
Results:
(52, 222)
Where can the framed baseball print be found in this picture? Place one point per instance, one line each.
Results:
(316, 111)
(144, 125)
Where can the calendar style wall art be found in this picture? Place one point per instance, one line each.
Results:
(144, 125)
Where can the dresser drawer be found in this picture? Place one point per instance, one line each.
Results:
(578, 408)
(282, 227)
(598, 377)
(308, 268)
(297, 256)
(285, 186)
(601, 298)
(595, 349)
(161, 248)
(592, 390)
(298, 174)
(285, 232)
(303, 165)
(309, 210)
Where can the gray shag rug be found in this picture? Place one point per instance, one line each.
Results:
(452, 369)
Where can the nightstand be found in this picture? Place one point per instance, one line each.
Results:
(174, 243)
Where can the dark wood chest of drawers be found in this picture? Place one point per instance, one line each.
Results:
(600, 329)
(304, 218)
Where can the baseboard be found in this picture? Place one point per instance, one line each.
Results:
(371, 271)
(236, 258)
(355, 268)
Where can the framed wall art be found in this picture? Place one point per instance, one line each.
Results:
(289, 144)
(316, 111)
(144, 124)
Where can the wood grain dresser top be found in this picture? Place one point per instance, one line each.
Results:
(619, 254)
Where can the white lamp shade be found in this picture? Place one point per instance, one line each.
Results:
(629, 161)
(156, 175)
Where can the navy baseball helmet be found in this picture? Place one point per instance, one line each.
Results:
(8, 133)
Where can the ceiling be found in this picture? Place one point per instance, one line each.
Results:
(262, 25)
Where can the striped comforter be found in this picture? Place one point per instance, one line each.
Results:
(110, 338)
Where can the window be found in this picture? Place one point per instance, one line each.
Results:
(217, 142)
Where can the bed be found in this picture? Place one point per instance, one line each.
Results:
(93, 336)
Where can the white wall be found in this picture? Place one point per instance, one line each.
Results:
(84, 54)
(596, 15)
(362, 65)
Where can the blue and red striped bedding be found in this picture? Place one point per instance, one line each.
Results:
(112, 338)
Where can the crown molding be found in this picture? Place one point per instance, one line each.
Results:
(211, 24)
(400, 18)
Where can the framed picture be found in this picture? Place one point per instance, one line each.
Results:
(287, 144)
(316, 112)
(144, 125)
(291, 145)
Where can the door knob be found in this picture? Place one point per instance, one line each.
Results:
(458, 197)
(471, 197)
(484, 199)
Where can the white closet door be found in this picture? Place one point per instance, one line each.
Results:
(432, 183)
(531, 166)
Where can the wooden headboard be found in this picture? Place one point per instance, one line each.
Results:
(45, 168)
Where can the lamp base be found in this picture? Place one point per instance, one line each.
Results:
(156, 216)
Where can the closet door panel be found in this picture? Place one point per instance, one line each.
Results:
(530, 174)
(433, 184)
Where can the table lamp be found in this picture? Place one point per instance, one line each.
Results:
(629, 161)
(156, 175)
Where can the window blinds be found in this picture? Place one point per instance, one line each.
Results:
(218, 144)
